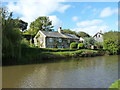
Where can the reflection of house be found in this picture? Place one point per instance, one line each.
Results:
(98, 36)
(49, 39)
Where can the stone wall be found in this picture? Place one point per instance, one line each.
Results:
(52, 42)
(99, 38)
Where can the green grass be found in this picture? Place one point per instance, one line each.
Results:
(40, 55)
(77, 53)
(116, 84)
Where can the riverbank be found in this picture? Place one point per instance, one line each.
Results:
(116, 84)
(40, 55)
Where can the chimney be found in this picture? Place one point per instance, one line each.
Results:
(60, 29)
(100, 31)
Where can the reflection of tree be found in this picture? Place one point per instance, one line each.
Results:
(59, 73)
(13, 76)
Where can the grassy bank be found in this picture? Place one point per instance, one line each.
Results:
(40, 55)
(116, 84)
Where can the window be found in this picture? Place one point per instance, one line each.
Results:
(50, 39)
(99, 36)
(60, 40)
(68, 41)
(41, 40)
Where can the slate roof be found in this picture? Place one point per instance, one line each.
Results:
(57, 34)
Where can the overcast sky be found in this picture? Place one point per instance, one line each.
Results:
(89, 17)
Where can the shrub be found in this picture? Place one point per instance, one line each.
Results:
(88, 42)
(80, 46)
(73, 45)
(111, 46)
(24, 43)
(111, 42)
(99, 45)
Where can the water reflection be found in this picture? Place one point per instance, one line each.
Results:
(96, 72)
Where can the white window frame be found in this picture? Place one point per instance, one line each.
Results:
(50, 39)
(68, 41)
(60, 39)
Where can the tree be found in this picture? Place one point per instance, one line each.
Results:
(20, 24)
(89, 41)
(82, 34)
(41, 23)
(111, 42)
(69, 31)
(11, 35)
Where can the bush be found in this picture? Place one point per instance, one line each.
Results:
(25, 43)
(80, 46)
(111, 46)
(88, 42)
(73, 45)
(111, 42)
(99, 45)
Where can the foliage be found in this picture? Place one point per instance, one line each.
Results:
(69, 31)
(99, 45)
(88, 41)
(116, 84)
(25, 42)
(73, 45)
(111, 42)
(82, 34)
(11, 35)
(20, 24)
(41, 23)
(80, 46)
(39, 55)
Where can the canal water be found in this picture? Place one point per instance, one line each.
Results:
(91, 72)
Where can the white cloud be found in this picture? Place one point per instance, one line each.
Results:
(108, 12)
(31, 9)
(91, 30)
(74, 18)
(63, 8)
(89, 23)
(55, 21)
(91, 26)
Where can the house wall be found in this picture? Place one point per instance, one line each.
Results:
(39, 40)
(99, 37)
(52, 42)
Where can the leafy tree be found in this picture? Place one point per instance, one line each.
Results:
(111, 42)
(20, 24)
(89, 41)
(41, 23)
(82, 34)
(69, 31)
(11, 35)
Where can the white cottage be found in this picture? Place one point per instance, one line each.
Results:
(98, 36)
